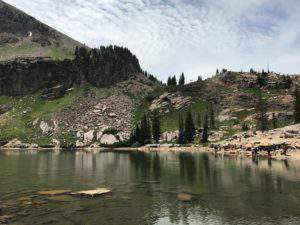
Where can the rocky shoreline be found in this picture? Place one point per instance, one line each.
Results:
(239, 145)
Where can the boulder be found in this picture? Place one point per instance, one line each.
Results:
(79, 144)
(108, 139)
(33, 146)
(170, 136)
(112, 115)
(88, 137)
(46, 128)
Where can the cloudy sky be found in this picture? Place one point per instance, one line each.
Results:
(191, 36)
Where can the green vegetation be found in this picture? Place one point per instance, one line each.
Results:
(31, 49)
(5, 99)
(169, 122)
(111, 130)
(189, 128)
(145, 134)
(205, 135)
(140, 109)
(59, 53)
(67, 140)
(181, 138)
(142, 132)
(18, 123)
(181, 81)
(156, 127)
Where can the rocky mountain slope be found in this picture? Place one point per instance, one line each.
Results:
(23, 36)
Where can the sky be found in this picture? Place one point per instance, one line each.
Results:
(191, 36)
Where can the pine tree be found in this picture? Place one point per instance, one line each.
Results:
(205, 134)
(261, 111)
(169, 82)
(199, 79)
(217, 72)
(212, 116)
(274, 121)
(135, 134)
(181, 139)
(297, 105)
(174, 81)
(262, 79)
(199, 120)
(189, 130)
(156, 127)
(145, 136)
(181, 81)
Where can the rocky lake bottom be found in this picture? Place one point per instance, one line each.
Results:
(146, 188)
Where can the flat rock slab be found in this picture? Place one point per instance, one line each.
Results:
(54, 192)
(92, 193)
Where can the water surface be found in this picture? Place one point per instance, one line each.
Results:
(145, 188)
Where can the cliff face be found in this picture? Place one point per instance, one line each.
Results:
(99, 67)
(25, 76)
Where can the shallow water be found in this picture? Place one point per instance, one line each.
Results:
(145, 188)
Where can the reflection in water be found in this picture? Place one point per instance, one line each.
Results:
(187, 167)
(156, 167)
(286, 163)
(145, 188)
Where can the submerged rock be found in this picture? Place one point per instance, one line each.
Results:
(92, 193)
(54, 192)
(185, 197)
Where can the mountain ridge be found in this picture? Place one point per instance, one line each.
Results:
(21, 35)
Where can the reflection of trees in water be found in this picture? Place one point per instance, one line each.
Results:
(141, 162)
(156, 166)
(187, 167)
(286, 164)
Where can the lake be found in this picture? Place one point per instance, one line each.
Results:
(145, 188)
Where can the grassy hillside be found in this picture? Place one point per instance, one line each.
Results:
(19, 122)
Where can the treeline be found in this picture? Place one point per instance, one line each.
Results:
(172, 80)
(190, 125)
(146, 131)
(151, 77)
(107, 65)
(101, 67)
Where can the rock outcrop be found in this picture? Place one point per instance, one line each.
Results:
(169, 101)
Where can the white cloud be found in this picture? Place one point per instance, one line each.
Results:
(194, 36)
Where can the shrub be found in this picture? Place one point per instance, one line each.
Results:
(111, 130)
